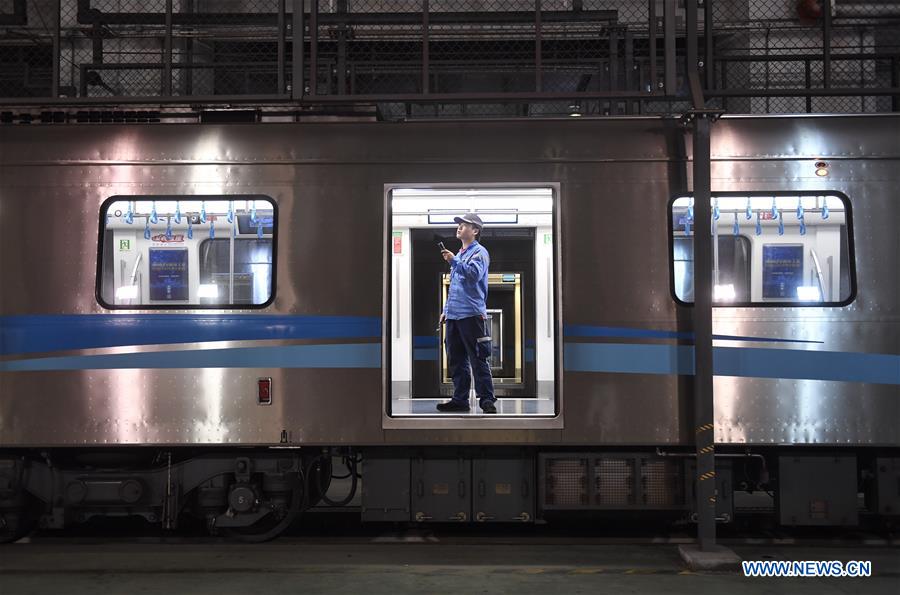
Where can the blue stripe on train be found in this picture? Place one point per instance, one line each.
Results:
(37, 334)
(353, 355)
(876, 368)
(579, 357)
(640, 333)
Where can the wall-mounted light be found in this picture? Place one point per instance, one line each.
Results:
(575, 109)
(821, 169)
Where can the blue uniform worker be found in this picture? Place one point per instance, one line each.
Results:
(468, 340)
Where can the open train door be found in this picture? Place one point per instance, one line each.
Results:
(521, 304)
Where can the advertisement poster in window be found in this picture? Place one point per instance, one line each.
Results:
(168, 274)
(782, 270)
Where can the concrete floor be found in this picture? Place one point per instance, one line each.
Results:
(398, 565)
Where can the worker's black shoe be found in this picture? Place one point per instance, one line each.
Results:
(451, 406)
(488, 407)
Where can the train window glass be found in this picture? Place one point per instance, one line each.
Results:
(249, 282)
(179, 252)
(780, 249)
(521, 305)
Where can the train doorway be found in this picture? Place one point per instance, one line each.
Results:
(521, 303)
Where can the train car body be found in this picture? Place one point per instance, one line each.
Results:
(311, 365)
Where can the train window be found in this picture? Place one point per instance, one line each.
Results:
(179, 252)
(782, 249)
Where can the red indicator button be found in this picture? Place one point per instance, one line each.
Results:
(264, 391)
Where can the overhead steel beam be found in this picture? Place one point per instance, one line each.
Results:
(538, 32)
(826, 44)
(281, 44)
(297, 47)
(654, 82)
(167, 53)
(54, 74)
(333, 99)
(87, 15)
(426, 26)
(671, 73)
(709, 40)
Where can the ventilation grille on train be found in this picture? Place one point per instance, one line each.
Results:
(619, 481)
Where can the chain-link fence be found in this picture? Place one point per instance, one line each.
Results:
(461, 58)
(845, 47)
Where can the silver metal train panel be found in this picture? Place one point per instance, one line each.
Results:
(615, 177)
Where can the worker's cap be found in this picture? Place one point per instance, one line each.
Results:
(470, 218)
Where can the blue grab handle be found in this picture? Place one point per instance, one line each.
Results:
(749, 211)
(154, 218)
(169, 228)
(129, 214)
(177, 212)
(212, 230)
(758, 224)
(800, 208)
(774, 209)
(203, 212)
(147, 229)
(736, 228)
(825, 212)
(190, 229)
(780, 224)
(802, 227)
(253, 213)
(259, 230)
(716, 212)
(687, 226)
(690, 210)
(231, 211)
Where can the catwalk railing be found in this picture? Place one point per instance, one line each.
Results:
(455, 57)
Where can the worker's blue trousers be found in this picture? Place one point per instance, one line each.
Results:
(468, 345)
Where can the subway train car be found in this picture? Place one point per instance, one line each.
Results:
(202, 320)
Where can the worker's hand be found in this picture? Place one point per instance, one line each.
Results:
(447, 255)
(443, 318)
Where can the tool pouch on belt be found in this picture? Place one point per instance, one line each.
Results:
(483, 347)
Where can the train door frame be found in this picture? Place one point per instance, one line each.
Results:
(557, 420)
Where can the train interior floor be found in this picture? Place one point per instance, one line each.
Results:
(396, 564)
(542, 405)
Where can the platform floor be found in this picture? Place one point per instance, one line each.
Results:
(399, 564)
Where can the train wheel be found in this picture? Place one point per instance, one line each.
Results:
(272, 525)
